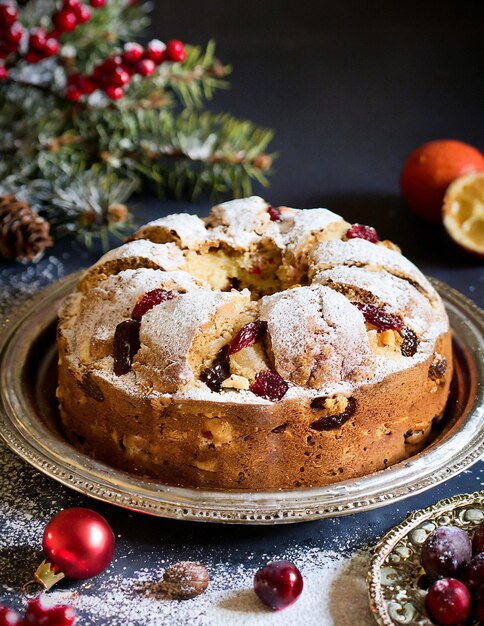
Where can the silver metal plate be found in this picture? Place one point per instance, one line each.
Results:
(395, 575)
(29, 424)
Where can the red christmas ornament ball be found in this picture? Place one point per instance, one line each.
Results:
(97, 4)
(79, 542)
(3, 72)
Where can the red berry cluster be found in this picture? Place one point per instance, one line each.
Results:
(37, 614)
(114, 74)
(11, 32)
(41, 43)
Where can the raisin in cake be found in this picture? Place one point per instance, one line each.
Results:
(258, 348)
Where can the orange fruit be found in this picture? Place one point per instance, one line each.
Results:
(464, 212)
(431, 168)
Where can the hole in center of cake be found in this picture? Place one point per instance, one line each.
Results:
(260, 269)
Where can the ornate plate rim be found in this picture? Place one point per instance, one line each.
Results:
(75, 470)
(378, 605)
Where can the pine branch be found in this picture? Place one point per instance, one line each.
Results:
(77, 163)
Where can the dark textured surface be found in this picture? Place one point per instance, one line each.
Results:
(350, 89)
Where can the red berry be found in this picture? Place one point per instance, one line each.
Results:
(51, 47)
(110, 64)
(269, 385)
(149, 300)
(8, 13)
(133, 52)
(278, 584)
(175, 51)
(33, 57)
(274, 213)
(97, 4)
(155, 51)
(8, 617)
(119, 77)
(74, 79)
(146, 67)
(72, 5)
(58, 615)
(83, 14)
(3, 72)
(114, 93)
(448, 602)
(376, 316)
(37, 38)
(13, 33)
(87, 85)
(74, 94)
(360, 231)
(247, 336)
(65, 20)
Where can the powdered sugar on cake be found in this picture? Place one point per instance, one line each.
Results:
(317, 339)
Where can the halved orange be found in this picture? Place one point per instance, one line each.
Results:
(463, 212)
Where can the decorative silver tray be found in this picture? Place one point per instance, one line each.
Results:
(29, 424)
(395, 572)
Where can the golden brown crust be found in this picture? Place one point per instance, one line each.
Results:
(218, 445)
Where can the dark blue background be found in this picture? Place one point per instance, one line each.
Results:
(350, 89)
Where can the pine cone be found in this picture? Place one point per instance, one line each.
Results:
(24, 235)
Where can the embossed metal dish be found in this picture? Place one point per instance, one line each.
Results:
(393, 579)
(29, 424)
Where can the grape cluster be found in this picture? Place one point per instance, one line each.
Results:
(458, 590)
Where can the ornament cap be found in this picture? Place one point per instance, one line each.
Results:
(46, 576)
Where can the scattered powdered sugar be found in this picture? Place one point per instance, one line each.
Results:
(17, 282)
(129, 592)
(330, 581)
